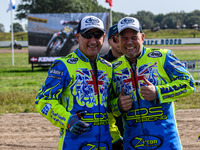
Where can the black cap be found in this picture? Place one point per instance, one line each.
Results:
(112, 31)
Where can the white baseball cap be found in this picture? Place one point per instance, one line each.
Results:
(90, 22)
(129, 22)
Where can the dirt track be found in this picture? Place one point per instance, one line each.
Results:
(31, 131)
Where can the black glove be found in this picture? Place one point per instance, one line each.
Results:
(76, 125)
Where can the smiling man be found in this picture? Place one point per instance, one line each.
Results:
(75, 93)
(146, 83)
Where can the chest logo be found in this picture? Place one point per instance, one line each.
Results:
(116, 64)
(155, 54)
(72, 60)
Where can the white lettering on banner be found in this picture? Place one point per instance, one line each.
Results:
(172, 41)
(46, 59)
(162, 41)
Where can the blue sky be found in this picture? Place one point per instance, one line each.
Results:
(125, 6)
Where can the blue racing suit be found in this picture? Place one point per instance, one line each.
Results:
(71, 87)
(151, 124)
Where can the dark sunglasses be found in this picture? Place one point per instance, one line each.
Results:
(88, 35)
(114, 40)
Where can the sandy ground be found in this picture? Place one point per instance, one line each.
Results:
(31, 131)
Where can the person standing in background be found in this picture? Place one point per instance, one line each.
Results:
(113, 54)
(114, 51)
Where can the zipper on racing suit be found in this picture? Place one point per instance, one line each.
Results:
(134, 70)
(94, 68)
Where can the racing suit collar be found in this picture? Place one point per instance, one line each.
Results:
(143, 51)
(82, 56)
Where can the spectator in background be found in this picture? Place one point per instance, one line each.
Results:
(113, 54)
(114, 51)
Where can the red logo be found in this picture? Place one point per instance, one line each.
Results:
(33, 59)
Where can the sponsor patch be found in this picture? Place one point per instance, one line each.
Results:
(155, 54)
(105, 62)
(149, 142)
(116, 64)
(54, 77)
(46, 109)
(72, 60)
(95, 146)
(56, 72)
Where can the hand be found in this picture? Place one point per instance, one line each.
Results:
(125, 101)
(148, 92)
(76, 126)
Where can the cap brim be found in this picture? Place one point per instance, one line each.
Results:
(133, 28)
(85, 30)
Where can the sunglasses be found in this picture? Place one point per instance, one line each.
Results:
(88, 35)
(114, 40)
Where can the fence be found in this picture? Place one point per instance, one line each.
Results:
(193, 67)
(8, 43)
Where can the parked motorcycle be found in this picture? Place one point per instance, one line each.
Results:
(62, 41)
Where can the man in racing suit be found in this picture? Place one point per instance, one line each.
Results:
(74, 95)
(147, 82)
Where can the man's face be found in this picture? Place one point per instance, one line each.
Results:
(115, 46)
(130, 42)
(90, 46)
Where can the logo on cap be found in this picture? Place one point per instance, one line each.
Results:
(92, 21)
(127, 21)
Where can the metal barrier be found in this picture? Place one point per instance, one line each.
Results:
(193, 66)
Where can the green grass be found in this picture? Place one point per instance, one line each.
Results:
(188, 55)
(18, 36)
(173, 33)
(19, 85)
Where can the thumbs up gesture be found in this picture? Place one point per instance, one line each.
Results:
(125, 101)
(148, 92)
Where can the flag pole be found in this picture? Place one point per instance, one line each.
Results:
(12, 38)
(110, 16)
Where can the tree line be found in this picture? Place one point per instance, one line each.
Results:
(147, 19)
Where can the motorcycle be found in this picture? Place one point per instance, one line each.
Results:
(62, 41)
(16, 46)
